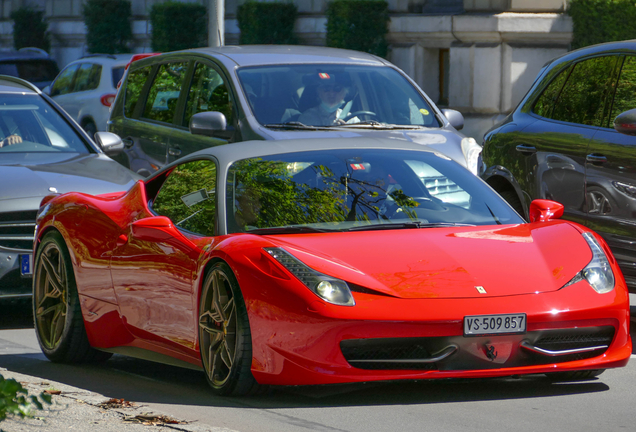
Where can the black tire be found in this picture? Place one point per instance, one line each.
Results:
(90, 128)
(574, 376)
(57, 315)
(513, 199)
(224, 335)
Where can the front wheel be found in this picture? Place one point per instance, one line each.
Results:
(224, 334)
(59, 325)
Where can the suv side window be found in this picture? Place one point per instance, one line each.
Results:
(188, 197)
(163, 95)
(582, 99)
(87, 77)
(64, 82)
(208, 92)
(545, 103)
(625, 98)
(134, 84)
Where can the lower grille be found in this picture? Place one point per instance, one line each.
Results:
(16, 229)
(356, 351)
(471, 353)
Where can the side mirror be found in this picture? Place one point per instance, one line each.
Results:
(47, 90)
(455, 118)
(110, 143)
(625, 123)
(160, 229)
(207, 123)
(544, 210)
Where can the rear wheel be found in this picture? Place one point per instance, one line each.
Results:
(574, 376)
(224, 334)
(59, 325)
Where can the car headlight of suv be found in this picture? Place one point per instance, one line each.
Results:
(330, 289)
(472, 154)
(598, 272)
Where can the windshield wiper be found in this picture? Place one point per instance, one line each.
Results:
(376, 125)
(292, 125)
(406, 225)
(288, 230)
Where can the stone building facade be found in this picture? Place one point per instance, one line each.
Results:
(476, 56)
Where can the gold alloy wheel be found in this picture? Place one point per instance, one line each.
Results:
(50, 296)
(218, 328)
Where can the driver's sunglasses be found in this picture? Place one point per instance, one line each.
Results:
(331, 88)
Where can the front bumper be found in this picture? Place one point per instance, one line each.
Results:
(321, 345)
(12, 284)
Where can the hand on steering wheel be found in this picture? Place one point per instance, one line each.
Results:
(10, 140)
(356, 113)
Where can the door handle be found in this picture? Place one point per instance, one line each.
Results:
(128, 142)
(596, 158)
(174, 151)
(523, 148)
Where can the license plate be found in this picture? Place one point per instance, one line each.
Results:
(26, 264)
(494, 324)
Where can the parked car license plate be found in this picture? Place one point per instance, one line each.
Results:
(489, 324)
(26, 264)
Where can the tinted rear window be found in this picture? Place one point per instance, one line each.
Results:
(31, 70)
(118, 73)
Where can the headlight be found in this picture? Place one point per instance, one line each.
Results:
(472, 153)
(598, 272)
(330, 289)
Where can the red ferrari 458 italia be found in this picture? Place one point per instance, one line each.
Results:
(325, 261)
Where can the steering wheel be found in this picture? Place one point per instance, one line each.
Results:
(355, 113)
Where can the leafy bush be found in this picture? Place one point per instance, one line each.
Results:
(30, 28)
(598, 21)
(359, 25)
(178, 26)
(15, 399)
(267, 23)
(108, 26)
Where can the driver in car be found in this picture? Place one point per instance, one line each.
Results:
(332, 108)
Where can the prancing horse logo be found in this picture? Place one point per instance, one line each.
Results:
(490, 352)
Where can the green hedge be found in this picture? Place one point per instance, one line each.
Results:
(267, 23)
(359, 25)
(598, 21)
(30, 28)
(108, 26)
(178, 26)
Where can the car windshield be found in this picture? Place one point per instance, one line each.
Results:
(28, 124)
(353, 189)
(328, 95)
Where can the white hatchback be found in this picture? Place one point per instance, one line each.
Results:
(86, 88)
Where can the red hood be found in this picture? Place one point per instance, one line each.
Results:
(448, 262)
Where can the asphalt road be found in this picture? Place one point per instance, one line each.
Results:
(525, 404)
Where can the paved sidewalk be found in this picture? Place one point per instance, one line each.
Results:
(75, 409)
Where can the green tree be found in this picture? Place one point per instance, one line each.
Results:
(178, 26)
(108, 26)
(359, 25)
(599, 21)
(30, 28)
(267, 23)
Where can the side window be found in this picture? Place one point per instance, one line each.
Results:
(582, 98)
(164, 93)
(188, 197)
(134, 84)
(87, 77)
(545, 103)
(64, 81)
(208, 92)
(625, 98)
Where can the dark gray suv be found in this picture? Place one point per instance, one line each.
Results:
(176, 103)
(571, 139)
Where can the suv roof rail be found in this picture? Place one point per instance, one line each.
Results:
(111, 56)
(35, 50)
(20, 81)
